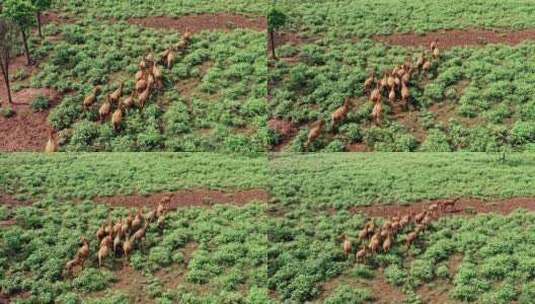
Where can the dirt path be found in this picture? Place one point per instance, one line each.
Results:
(188, 198)
(201, 22)
(455, 38)
(464, 206)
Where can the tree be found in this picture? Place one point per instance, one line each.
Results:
(21, 12)
(40, 6)
(8, 38)
(276, 20)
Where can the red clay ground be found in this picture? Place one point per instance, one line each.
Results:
(27, 130)
(454, 38)
(129, 282)
(202, 22)
(464, 206)
(287, 130)
(383, 292)
(53, 17)
(9, 200)
(188, 198)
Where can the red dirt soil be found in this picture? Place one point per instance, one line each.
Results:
(464, 206)
(357, 148)
(53, 17)
(26, 130)
(455, 38)
(286, 129)
(202, 22)
(285, 38)
(9, 200)
(188, 198)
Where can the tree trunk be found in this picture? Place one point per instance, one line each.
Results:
(39, 24)
(272, 39)
(26, 49)
(4, 65)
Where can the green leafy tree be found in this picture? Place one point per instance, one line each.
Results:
(21, 12)
(41, 5)
(276, 20)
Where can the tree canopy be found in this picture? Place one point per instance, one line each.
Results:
(276, 19)
(20, 12)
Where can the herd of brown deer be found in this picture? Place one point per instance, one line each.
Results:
(147, 80)
(394, 86)
(375, 239)
(121, 237)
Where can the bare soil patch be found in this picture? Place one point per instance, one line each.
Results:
(388, 294)
(54, 17)
(129, 282)
(357, 148)
(464, 206)
(436, 292)
(411, 121)
(384, 293)
(9, 200)
(286, 129)
(26, 130)
(7, 223)
(202, 22)
(172, 277)
(281, 38)
(459, 38)
(188, 198)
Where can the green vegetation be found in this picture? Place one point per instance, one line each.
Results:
(213, 98)
(484, 259)
(475, 99)
(343, 180)
(227, 254)
(217, 256)
(363, 18)
(199, 255)
(88, 175)
(474, 258)
(123, 9)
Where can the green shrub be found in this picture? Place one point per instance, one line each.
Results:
(345, 294)
(7, 112)
(395, 275)
(436, 141)
(523, 132)
(335, 146)
(41, 103)
(92, 279)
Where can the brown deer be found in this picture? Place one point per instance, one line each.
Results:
(314, 132)
(341, 113)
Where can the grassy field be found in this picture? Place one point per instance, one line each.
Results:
(86, 175)
(212, 99)
(123, 9)
(475, 99)
(198, 255)
(484, 259)
(344, 180)
(346, 18)
(476, 258)
(286, 251)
